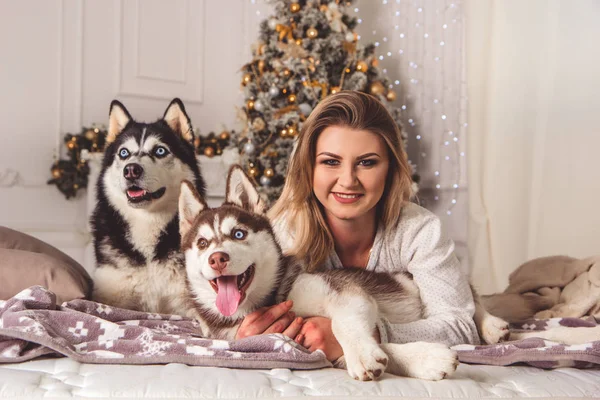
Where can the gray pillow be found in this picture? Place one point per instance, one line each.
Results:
(26, 261)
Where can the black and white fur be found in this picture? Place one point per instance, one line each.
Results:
(135, 223)
(236, 241)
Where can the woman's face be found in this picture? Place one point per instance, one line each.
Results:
(350, 172)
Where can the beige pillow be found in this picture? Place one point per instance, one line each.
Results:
(26, 261)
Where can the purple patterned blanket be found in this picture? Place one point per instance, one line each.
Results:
(536, 351)
(32, 325)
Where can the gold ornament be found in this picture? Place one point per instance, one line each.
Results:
(75, 186)
(292, 98)
(246, 79)
(56, 172)
(219, 151)
(209, 152)
(286, 72)
(224, 135)
(335, 89)
(253, 172)
(362, 66)
(323, 8)
(299, 42)
(377, 88)
(294, 7)
(71, 145)
(391, 95)
(269, 172)
(90, 134)
(292, 131)
(262, 48)
(283, 133)
(250, 104)
(312, 33)
(375, 62)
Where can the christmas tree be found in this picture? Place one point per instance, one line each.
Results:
(306, 50)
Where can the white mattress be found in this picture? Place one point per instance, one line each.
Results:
(66, 378)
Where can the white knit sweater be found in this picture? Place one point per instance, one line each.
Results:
(417, 245)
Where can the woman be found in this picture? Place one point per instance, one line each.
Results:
(346, 203)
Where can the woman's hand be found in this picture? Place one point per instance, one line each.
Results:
(273, 319)
(317, 334)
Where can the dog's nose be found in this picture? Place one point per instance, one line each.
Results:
(133, 171)
(218, 260)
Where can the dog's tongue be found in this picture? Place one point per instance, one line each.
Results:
(136, 192)
(228, 295)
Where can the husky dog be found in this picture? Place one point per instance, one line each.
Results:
(135, 223)
(235, 265)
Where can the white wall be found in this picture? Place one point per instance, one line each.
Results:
(534, 133)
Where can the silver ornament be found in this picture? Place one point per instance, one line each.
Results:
(265, 180)
(350, 37)
(305, 108)
(273, 91)
(259, 106)
(272, 23)
(249, 148)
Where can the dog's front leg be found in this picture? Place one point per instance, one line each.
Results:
(353, 319)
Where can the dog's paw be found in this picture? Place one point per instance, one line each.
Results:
(494, 330)
(365, 363)
(430, 361)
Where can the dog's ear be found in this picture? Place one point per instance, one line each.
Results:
(190, 205)
(242, 192)
(176, 117)
(118, 118)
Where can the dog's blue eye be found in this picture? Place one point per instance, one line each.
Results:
(160, 151)
(124, 153)
(239, 234)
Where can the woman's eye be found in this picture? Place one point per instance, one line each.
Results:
(239, 234)
(160, 151)
(331, 161)
(123, 153)
(367, 163)
(202, 244)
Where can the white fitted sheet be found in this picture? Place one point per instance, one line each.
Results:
(65, 378)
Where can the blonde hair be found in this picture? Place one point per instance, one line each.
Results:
(303, 214)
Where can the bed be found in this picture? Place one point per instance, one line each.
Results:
(66, 378)
(102, 343)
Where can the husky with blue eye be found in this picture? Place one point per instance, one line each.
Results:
(235, 265)
(135, 223)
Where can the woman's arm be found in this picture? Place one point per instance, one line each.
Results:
(444, 288)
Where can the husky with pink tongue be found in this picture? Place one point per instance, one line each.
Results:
(234, 265)
(226, 249)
